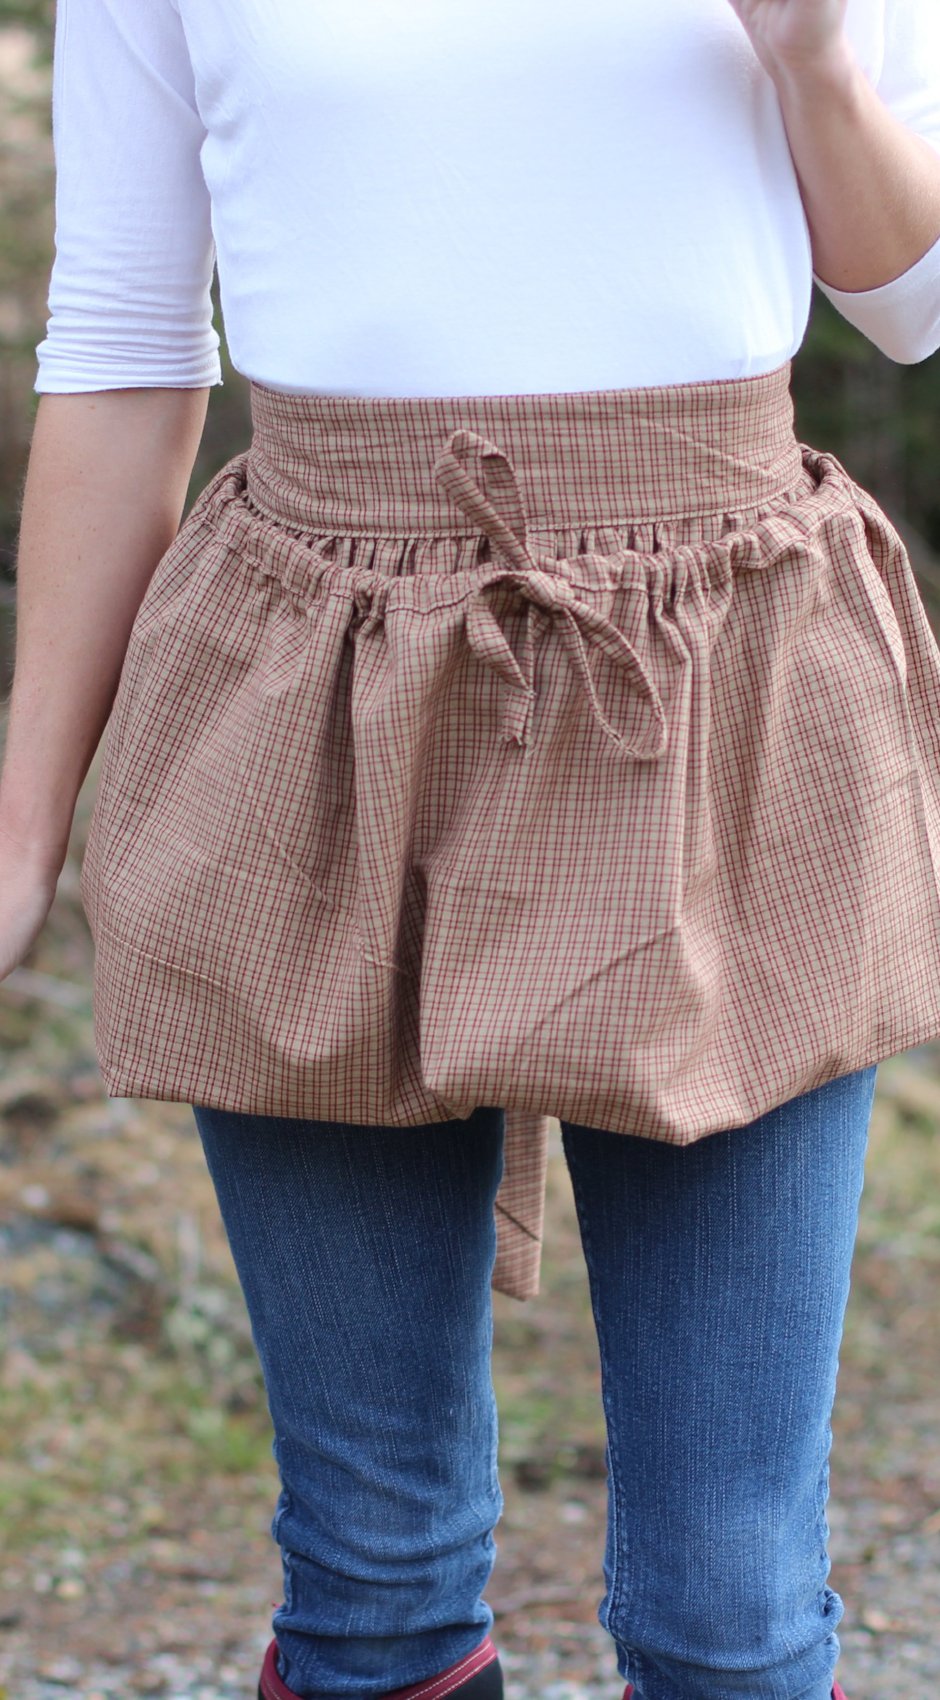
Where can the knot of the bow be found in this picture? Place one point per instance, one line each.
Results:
(548, 595)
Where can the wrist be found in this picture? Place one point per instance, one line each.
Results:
(833, 77)
(40, 835)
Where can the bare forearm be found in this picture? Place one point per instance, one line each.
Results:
(871, 188)
(105, 489)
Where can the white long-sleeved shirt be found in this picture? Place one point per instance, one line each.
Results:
(446, 197)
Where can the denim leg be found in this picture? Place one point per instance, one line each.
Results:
(365, 1256)
(719, 1275)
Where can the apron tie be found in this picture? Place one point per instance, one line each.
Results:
(549, 597)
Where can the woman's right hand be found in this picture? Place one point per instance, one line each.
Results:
(105, 487)
(28, 878)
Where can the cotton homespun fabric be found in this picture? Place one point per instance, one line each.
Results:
(574, 753)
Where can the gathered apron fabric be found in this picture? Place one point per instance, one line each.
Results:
(573, 753)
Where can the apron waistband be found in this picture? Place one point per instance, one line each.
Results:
(373, 465)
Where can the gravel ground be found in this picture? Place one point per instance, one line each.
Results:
(180, 1610)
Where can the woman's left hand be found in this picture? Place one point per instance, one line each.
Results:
(794, 35)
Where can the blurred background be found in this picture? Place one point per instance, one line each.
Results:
(136, 1481)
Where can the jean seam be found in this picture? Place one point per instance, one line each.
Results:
(827, 1598)
(614, 1588)
(284, 1499)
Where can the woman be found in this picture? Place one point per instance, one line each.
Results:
(525, 720)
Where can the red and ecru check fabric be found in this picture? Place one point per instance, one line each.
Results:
(575, 753)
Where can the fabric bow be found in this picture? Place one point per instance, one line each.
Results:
(550, 598)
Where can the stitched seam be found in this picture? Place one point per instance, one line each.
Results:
(591, 523)
(150, 956)
(207, 979)
(343, 592)
(825, 496)
(431, 1683)
(440, 1692)
(615, 1589)
(379, 961)
(285, 854)
(517, 1224)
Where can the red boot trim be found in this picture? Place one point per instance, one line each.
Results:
(837, 1692)
(272, 1686)
(435, 1687)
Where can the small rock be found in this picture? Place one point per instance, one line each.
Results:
(34, 1197)
(70, 1588)
(149, 1682)
(64, 1672)
(878, 1622)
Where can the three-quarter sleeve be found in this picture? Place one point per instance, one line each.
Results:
(130, 290)
(902, 318)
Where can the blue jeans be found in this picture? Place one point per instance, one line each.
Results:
(719, 1274)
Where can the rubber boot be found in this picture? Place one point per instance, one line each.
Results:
(837, 1692)
(477, 1676)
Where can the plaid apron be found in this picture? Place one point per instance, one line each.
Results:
(573, 753)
